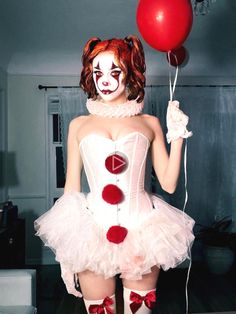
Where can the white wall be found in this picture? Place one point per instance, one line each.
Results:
(6, 49)
(3, 78)
(27, 153)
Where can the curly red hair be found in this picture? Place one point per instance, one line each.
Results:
(130, 58)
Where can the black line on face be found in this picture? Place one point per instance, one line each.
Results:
(114, 66)
(116, 76)
(97, 67)
(98, 72)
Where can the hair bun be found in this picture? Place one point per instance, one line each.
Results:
(129, 40)
(93, 42)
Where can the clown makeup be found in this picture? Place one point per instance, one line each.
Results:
(108, 77)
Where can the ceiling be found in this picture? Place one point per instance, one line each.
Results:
(45, 37)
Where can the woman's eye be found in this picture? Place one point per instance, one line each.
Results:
(98, 73)
(115, 73)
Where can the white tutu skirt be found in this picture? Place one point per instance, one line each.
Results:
(164, 239)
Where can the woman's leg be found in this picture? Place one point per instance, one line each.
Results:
(140, 295)
(97, 291)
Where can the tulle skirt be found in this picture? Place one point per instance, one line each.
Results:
(164, 239)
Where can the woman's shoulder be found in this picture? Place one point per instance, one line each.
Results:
(153, 123)
(76, 122)
(150, 118)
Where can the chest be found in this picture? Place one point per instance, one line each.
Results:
(115, 129)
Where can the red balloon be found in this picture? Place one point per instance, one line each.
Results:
(164, 24)
(177, 56)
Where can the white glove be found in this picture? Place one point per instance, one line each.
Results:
(176, 122)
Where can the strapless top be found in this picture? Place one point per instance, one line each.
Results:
(129, 153)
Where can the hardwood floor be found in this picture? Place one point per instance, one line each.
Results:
(207, 293)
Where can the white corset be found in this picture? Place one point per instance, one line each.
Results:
(136, 203)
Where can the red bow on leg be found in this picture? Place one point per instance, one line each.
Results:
(100, 308)
(149, 299)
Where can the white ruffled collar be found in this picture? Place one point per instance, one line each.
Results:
(128, 109)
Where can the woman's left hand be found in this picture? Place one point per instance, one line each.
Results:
(176, 122)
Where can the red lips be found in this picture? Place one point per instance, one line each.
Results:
(107, 91)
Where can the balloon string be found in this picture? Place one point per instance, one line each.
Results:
(185, 176)
(184, 207)
(172, 89)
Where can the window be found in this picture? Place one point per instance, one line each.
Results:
(56, 165)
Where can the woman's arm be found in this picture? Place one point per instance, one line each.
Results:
(74, 160)
(167, 167)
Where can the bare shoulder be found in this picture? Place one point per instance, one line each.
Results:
(152, 121)
(76, 123)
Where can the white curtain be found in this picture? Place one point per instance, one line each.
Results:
(72, 103)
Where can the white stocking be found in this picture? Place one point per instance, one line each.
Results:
(109, 305)
(134, 301)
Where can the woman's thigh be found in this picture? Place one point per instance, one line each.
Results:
(95, 287)
(148, 281)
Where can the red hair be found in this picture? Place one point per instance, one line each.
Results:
(129, 55)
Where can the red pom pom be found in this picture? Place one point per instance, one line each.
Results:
(115, 163)
(112, 194)
(116, 234)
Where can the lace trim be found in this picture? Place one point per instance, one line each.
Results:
(127, 109)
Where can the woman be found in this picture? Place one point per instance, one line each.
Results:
(118, 228)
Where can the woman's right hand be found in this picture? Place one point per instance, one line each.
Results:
(176, 122)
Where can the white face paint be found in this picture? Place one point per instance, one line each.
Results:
(108, 77)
